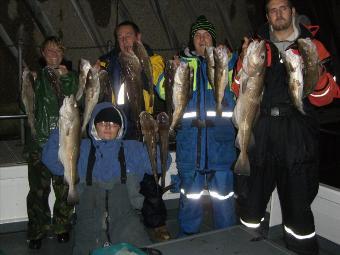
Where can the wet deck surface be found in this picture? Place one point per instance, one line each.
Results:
(235, 240)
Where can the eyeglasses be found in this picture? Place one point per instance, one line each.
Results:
(281, 9)
(105, 124)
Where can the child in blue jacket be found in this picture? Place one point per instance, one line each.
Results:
(108, 197)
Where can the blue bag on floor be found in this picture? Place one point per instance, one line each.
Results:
(118, 249)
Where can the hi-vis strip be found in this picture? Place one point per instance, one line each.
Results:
(120, 100)
(213, 194)
(300, 237)
(224, 114)
(251, 225)
(193, 195)
(320, 95)
(220, 197)
(188, 115)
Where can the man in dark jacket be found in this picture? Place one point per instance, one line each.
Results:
(285, 154)
(53, 83)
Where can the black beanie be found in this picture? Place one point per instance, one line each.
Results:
(203, 23)
(108, 115)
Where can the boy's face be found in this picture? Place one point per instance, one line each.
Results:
(107, 130)
(202, 39)
(53, 55)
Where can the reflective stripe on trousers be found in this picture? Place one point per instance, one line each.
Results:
(287, 229)
(213, 194)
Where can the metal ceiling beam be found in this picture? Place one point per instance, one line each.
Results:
(89, 26)
(40, 18)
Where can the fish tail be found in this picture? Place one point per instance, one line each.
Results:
(73, 196)
(242, 165)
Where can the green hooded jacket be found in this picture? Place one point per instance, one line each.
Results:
(46, 105)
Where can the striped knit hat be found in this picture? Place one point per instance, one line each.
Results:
(204, 24)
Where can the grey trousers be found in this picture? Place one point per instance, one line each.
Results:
(104, 212)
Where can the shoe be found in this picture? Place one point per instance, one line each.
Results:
(63, 237)
(34, 244)
(160, 234)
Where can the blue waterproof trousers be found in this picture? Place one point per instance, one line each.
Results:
(220, 187)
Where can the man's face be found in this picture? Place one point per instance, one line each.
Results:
(126, 36)
(202, 39)
(107, 130)
(53, 55)
(280, 15)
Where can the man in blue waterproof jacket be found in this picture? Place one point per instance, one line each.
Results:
(204, 142)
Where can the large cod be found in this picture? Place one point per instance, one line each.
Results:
(69, 143)
(247, 105)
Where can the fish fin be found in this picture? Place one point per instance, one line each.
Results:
(242, 165)
(251, 141)
(302, 110)
(237, 141)
(165, 189)
(191, 80)
(83, 133)
(234, 118)
(73, 196)
(151, 101)
(219, 110)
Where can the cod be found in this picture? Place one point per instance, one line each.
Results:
(28, 97)
(92, 90)
(181, 92)
(293, 64)
(132, 71)
(84, 67)
(247, 105)
(149, 129)
(69, 142)
(142, 55)
(220, 76)
(163, 131)
(311, 65)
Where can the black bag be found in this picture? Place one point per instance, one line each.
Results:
(153, 210)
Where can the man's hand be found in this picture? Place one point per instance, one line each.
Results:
(177, 61)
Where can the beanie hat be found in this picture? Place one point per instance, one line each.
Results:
(109, 114)
(204, 24)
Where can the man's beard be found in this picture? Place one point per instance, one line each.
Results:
(279, 26)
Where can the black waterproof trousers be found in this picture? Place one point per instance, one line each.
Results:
(285, 156)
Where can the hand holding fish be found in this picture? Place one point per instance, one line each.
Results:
(176, 61)
(62, 70)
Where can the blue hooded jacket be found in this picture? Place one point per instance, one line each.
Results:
(107, 166)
